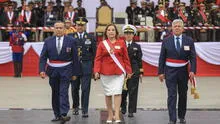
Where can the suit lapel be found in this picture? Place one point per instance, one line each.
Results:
(54, 44)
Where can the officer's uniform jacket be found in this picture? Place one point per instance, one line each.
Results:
(135, 55)
(86, 48)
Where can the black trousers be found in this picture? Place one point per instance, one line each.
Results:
(132, 93)
(177, 83)
(85, 82)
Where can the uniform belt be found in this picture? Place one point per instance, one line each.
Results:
(175, 62)
(58, 63)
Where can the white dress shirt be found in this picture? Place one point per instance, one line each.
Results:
(61, 42)
(180, 40)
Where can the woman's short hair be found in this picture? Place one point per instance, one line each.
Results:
(116, 30)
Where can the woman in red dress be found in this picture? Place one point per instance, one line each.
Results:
(112, 76)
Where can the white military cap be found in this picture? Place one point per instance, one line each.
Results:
(129, 29)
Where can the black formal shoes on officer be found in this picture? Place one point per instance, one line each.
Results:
(85, 115)
(56, 119)
(123, 112)
(182, 121)
(130, 115)
(64, 119)
(172, 122)
(76, 111)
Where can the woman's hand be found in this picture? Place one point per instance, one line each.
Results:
(96, 76)
(129, 76)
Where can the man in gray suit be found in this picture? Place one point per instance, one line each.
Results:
(177, 51)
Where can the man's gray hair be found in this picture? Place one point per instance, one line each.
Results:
(178, 21)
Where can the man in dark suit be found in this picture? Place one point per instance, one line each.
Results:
(86, 46)
(135, 55)
(177, 51)
(63, 66)
(81, 11)
(9, 18)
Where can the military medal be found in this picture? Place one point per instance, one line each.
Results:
(10, 16)
(68, 49)
(28, 17)
(111, 50)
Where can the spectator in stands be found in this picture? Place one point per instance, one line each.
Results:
(215, 13)
(112, 73)
(162, 19)
(59, 10)
(29, 20)
(69, 29)
(67, 4)
(185, 15)
(81, 11)
(132, 12)
(71, 14)
(8, 20)
(202, 19)
(17, 40)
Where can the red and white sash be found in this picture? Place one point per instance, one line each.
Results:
(28, 17)
(161, 16)
(105, 42)
(182, 16)
(175, 62)
(57, 63)
(10, 16)
(203, 16)
(71, 16)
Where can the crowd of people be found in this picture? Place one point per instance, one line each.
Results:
(37, 14)
(198, 13)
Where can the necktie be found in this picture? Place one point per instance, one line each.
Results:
(129, 44)
(178, 44)
(81, 36)
(58, 46)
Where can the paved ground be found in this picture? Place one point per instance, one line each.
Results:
(34, 93)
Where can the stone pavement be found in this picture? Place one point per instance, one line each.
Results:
(34, 93)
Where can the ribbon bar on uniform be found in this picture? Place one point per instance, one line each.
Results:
(176, 62)
(58, 63)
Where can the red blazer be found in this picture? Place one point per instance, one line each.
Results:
(104, 64)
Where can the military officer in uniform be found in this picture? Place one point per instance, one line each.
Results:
(177, 52)
(202, 19)
(132, 11)
(86, 46)
(17, 41)
(63, 66)
(135, 55)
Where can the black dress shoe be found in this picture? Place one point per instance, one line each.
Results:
(182, 121)
(130, 115)
(55, 119)
(123, 112)
(75, 111)
(85, 115)
(172, 122)
(65, 118)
